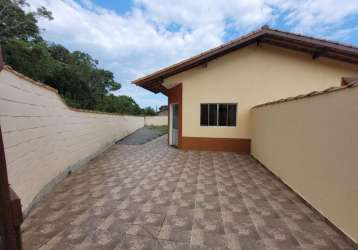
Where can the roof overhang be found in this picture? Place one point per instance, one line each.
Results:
(313, 46)
(349, 80)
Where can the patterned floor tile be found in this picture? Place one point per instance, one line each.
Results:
(153, 196)
(171, 245)
(131, 242)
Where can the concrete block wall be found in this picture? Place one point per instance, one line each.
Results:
(156, 120)
(311, 144)
(43, 137)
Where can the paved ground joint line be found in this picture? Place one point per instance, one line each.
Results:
(153, 196)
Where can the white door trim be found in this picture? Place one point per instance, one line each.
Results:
(171, 124)
(171, 134)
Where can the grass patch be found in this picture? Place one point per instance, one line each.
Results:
(160, 129)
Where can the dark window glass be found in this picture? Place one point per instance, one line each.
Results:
(213, 114)
(223, 119)
(221, 114)
(231, 114)
(204, 114)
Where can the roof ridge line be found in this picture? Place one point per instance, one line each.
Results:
(316, 47)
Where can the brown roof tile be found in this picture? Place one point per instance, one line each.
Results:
(315, 47)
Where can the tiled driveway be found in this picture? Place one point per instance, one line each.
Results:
(156, 197)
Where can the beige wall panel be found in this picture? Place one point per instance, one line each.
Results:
(43, 137)
(311, 144)
(156, 120)
(251, 76)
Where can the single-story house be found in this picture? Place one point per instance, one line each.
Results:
(163, 111)
(210, 95)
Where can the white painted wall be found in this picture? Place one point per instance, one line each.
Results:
(43, 136)
(312, 145)
(156, 120)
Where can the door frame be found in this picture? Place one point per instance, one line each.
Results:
(171, 123)
(175, 96)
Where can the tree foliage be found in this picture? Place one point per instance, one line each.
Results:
(74, 74)
(148, 111)
(120, 104)
(15, 23)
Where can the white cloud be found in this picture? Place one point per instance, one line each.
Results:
(156, 33)
(313, 16)
(201, 14)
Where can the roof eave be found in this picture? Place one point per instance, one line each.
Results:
(316, 47)
(199, 59)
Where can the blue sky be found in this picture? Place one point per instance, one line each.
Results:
(134, 38)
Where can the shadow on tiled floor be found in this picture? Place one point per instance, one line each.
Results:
(153, 196)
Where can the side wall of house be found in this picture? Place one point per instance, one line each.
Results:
(311, 144)
(248, 77)
(43, 137)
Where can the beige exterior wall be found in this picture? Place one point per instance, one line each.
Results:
(43, 137)
(251, 76)
(311, 144)
(156, 120)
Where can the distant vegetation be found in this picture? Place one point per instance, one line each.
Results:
(74, 74)
(162, 130)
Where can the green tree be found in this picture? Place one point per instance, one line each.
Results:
(29, 58)
(148, 111)
(119, 104)
(74, 74)
(15, 23)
